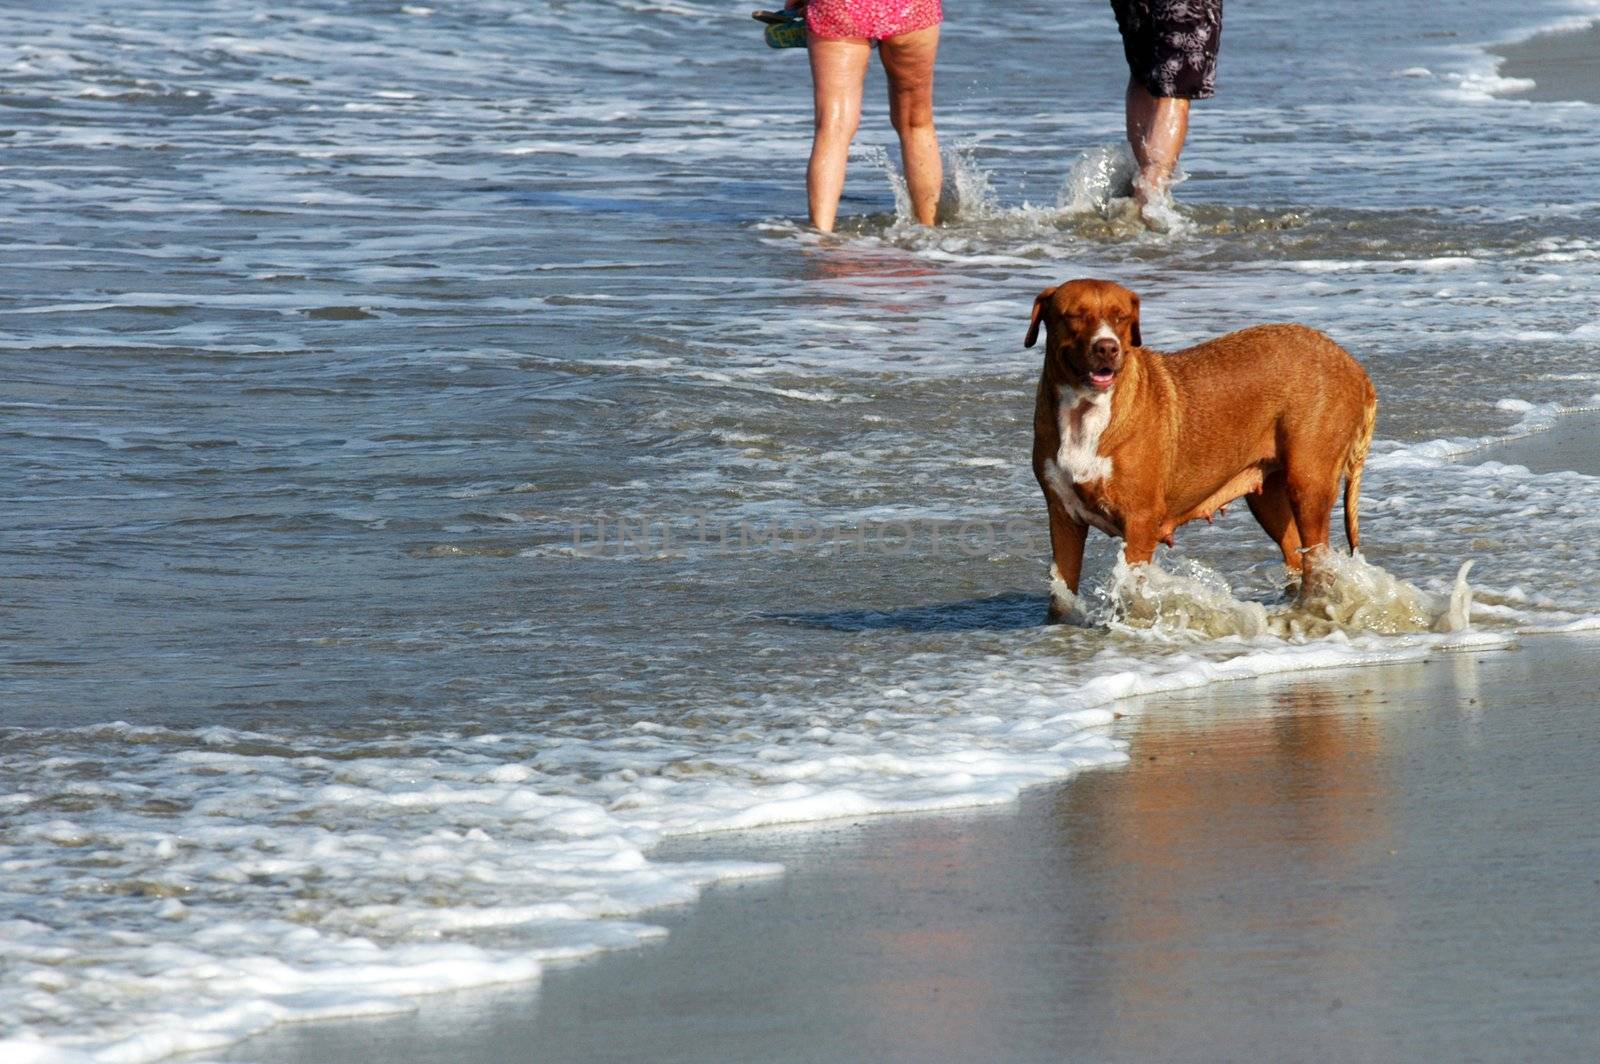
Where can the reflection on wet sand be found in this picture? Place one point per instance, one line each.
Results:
(867, 273)
(1186, 848)
(1238, 856)
(927, 991)
(1237, 870)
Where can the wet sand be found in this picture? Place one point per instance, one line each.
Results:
(1395, 863)
(1573, 442)
(1561, 65)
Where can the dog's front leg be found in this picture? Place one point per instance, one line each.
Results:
(1139, 541)
(1066, 553)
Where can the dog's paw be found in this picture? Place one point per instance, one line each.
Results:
(1071, 615)
(1064, 605)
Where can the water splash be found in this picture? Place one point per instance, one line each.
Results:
(1188, 602)
(1161, 215)
(1094, 205)
(874, 155)
(1352, 596)
(967, 195)
(1099, 177)
(1101, 184)
(1458, 614)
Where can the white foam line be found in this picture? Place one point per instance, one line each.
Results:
(1482, 81)
(1536, 418)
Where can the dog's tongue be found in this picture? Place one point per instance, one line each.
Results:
(1102, 378)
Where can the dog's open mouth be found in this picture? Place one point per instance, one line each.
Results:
(1102, 378)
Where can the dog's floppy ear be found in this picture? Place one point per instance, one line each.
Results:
(1038, 309)
(1133, 332)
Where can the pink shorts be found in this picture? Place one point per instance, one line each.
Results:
(873, 19)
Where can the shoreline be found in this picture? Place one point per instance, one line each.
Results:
(1560, 63)
(716, 985)
(1571, 442)
(1366, 856)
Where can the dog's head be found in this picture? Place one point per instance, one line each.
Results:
(1090, 326)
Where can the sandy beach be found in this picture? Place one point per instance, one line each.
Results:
(1573, 442)
(1393, 863)
(1561, 65)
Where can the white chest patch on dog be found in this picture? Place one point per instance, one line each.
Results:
(1070, 501)
(1080, 419)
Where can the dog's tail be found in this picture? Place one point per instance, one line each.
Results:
(1353, 462)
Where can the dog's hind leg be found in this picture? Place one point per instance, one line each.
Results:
(1271, 508)
(1311, 496)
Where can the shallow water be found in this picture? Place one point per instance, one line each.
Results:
(342, 337)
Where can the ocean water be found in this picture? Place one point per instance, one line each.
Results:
(439, 464)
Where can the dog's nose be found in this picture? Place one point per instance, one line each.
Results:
(1104, 348)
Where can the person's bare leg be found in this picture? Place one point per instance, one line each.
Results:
(1157, 126)
(838, 70)
(908, 60)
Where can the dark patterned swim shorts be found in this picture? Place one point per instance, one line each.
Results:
(1171, 45)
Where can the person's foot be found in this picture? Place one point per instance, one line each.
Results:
(1153, 199)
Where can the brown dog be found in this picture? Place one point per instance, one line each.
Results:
(1135, 443)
